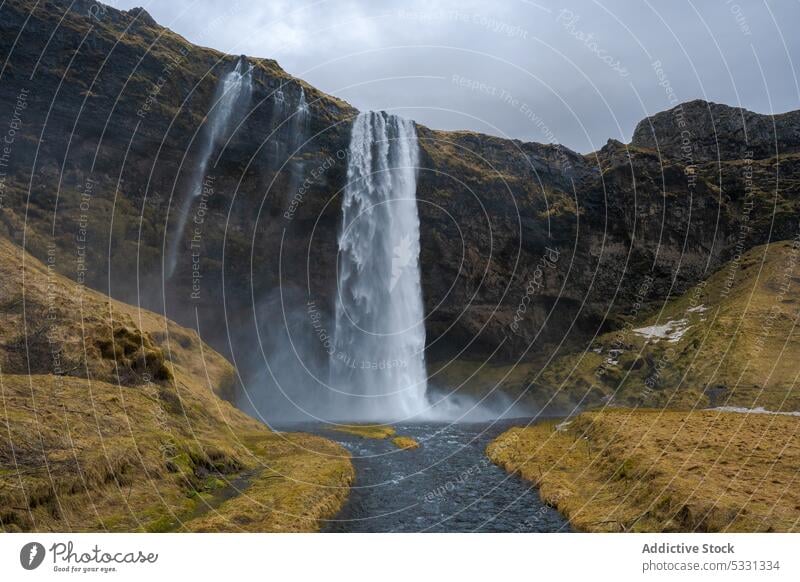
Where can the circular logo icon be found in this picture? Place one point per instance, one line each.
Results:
(31, 555)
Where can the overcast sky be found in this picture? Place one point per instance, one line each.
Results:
(574, 72)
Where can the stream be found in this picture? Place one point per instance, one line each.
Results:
(446, 485)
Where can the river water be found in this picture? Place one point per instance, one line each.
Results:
(446, 485)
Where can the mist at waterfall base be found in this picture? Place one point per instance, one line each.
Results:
(363, 358)
(287, 378)
(231, 98)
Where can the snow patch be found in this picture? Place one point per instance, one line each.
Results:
(562, 426)
(757, 410)
(672, 331)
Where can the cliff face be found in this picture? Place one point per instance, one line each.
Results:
(521, 242)
(110, 131)
(705, 132)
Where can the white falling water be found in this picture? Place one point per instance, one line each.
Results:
(290, 125)
(378, 365)
(298, 133)
(234, 88)
(300, 120)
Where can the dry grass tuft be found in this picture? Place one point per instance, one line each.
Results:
(366, 431)
(405, 442)
(654, 471)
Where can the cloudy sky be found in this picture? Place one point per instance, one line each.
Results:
(574, 72)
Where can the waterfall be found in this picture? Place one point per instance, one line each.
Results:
(234, 89)
(290, 126)
(298, 133)
(377, 367)
(300, 120)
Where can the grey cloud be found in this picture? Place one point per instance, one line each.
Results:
(577, 72)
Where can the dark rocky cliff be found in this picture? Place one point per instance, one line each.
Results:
(700, 131)
(526, 248)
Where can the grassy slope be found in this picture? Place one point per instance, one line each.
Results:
(637, 470)
(646, 470)
(110, 422)
(741, 350)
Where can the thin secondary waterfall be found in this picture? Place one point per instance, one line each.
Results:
(300, 119)
(298, 133)
(290, 121)
(378, 365)
(232, 90)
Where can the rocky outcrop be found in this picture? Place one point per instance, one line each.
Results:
(700, 131)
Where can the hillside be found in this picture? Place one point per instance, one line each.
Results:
(111, 422)
(670, 471)
(132, 95)
(732, 340)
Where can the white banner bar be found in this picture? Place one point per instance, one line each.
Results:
(399, 557)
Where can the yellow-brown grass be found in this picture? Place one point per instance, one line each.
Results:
(379, 432)
(366, 431)
(305, 481)
(118, 427)
(628, 470)
(740, 348)
(405, 442)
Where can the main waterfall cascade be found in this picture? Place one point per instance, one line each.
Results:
(232, 92)
(365, 360)
(377, 368)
